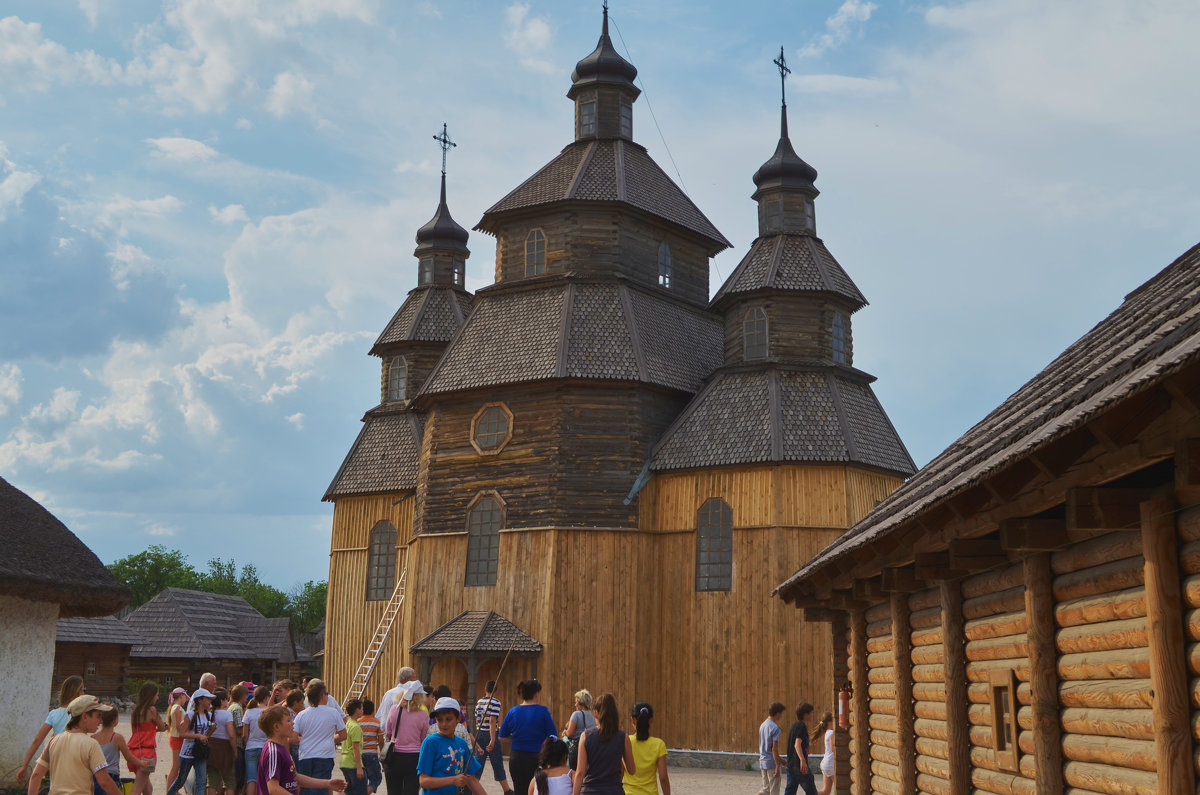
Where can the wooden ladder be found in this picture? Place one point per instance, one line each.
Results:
(375, 648)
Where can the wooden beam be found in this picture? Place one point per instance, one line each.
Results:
(1181, 396)
(977, 554)
(1009, 482)
(860, 757)
(1061, 455)
(843, 600)
(1033, 535)
(869, 590)
(900, 580)
(935, 566)
(958, 743)
(906, 737)
(1168, 671)
(1135, 414)
(1043, 676)
(1104, 508)
(821, 615)
(1187, 470)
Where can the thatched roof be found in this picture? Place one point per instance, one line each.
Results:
(45, 562)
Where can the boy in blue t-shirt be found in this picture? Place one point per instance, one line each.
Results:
(445, 762)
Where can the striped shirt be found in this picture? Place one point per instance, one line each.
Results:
(371, 733)
(487, 709)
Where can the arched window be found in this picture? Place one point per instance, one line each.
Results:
(397, 378)
(381, 562)
(535, 253)
(664, 265)
(485, 517)
(714, 546)
(839, 338)
(754, 334)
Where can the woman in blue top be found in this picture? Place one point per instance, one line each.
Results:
(56, 721)
(528, 724)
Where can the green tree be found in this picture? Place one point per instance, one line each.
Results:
(147, 573)
(306, 604)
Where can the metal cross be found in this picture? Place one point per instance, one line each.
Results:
(445, 143)
(783, 73)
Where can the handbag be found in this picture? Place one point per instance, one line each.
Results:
(200, 751)
(388, 749)
(573, 743)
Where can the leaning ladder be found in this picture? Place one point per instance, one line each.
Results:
(371, 658)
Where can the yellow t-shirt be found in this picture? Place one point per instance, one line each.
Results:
(172, 720)
(646, 754)
(73, 759)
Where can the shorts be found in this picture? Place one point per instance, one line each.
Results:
(252, 755)
(827, 767)
(176, 743)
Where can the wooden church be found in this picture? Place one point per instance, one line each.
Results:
(594, 470)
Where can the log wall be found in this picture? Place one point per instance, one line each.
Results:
(929, 692)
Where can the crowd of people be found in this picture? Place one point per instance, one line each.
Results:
(289, 738)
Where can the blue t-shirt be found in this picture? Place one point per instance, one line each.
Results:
(58, 719)
(443, 756)
(528, 725)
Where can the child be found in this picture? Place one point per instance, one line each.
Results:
(351, 761)
(649, 756)
(176, 725)
(770, 761)
(114, 747)
(73, 758)
(372, 731)
(276, 771)
(445, 762)
(254, 737)
(554, 774)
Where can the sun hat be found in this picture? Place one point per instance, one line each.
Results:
(446, 704)
(86, 703)
(408, 689)
(201, 693)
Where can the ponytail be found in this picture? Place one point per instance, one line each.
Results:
(642, 713)
(553, 754)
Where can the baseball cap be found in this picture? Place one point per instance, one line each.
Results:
(86, 703)
(445, 704)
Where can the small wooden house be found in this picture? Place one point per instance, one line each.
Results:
(1023, 616)
(593, 450)
(46, 573)
(96, 649)
(186, 633)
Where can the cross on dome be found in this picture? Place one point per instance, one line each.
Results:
(445, 144)
(784, 71)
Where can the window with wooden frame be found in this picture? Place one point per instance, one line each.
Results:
(664, 265)
(491, 428)
(1002, 696)
(839, 338)
(397, 388)
(626, 118)
(425, 275)
(754, 334)
(810, 216)
(714, 546)
(381, 562)
(91, 669)
(535, 253)
(485, 518)
(460, 272)
(168, 681)
(587, 116)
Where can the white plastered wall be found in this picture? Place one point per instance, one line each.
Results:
(26, 663)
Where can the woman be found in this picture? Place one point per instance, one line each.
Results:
(193, 755)
(553, 776)
(528, 724)
(56, 721)
(649, 754)
(176, 725)
(407, 725)
(828, 769)
(581, 720)
(254, 737)
(222, 758)
(143, 743)
(605, 748)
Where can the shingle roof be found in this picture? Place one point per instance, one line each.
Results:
(749, 416)
(104, 629)
(613, 331)
(383, 458)
(790, 262)
(271, 639)
(430, 314)
(45, 562)
(477, 631)
(607, 170)
(183, 623)
(1153, 334)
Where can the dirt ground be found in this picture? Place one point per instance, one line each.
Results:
(685, 781)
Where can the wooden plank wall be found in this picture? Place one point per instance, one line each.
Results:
(929, 692)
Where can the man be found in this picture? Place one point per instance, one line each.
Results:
(799, 775)
(769, 759)
(73, 759)
(320, 728)
(208, 683)
(403, 677)
(487, 726)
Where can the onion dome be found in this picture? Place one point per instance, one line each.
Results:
(604, 65)
(785, 169)
(442, 231)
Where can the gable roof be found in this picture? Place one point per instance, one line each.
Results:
(611, 170)
(429, 314)
(384, 456)
(1152, 335)
(183, 623)
(102, 629)
(784, 414)
(44, 561)
(791, 262)
(477, 631)
(570, 328)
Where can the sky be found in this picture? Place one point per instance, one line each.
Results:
(207, 210)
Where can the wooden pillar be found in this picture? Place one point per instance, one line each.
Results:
(860, 704)
(958, 728)
(1043, 674)
(906, 737)
(469, 707)
(1164, 622)
(841, 675)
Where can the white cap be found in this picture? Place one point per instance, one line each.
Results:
(446, 703)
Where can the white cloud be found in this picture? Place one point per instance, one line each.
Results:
(528, 36)
(845, 22)
(158, 529)
(182, 149)
(61, 407)
(229, 214)
(30, 60)
(14, 186)
(243, 124)
(842, 85)
(297, 420)
(117, 211)
(10, 387)
(290, 93)
(91, 10)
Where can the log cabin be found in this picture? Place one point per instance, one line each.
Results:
(1023, 615)
(96, 649)
(597, 458)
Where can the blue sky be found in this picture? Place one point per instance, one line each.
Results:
(207, 210)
